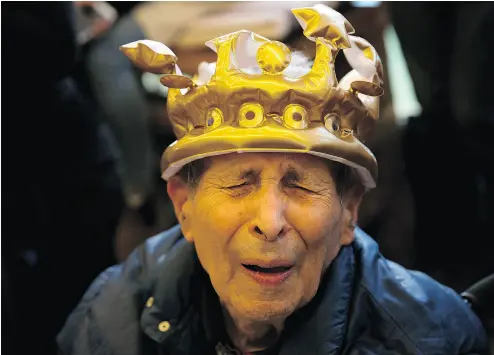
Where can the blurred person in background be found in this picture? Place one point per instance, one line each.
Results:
(63, 196)
(449, 147)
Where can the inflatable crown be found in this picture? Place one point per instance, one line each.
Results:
(248, 102)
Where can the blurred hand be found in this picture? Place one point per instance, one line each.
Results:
(94, 18)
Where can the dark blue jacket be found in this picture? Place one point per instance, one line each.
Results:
(365, 305)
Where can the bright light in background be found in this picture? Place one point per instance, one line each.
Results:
(366, 3)
(151, 83)
(405, 103)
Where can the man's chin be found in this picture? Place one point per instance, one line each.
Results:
(263, 310)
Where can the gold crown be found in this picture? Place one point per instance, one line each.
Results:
(249, 105)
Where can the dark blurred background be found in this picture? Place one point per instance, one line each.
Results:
(81, 180)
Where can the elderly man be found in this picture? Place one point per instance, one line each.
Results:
(267, 258)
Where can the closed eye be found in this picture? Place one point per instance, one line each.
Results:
(294, 186)
(237, 186)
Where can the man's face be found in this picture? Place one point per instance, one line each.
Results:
(265, 227)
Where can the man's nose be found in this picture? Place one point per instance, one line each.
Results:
(270, 222)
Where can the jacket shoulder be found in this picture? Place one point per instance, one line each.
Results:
(107, 319)
(431, 317)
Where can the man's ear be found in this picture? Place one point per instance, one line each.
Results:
(179, 195)
(351, 204)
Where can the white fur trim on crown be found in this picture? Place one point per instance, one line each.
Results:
(298, 67)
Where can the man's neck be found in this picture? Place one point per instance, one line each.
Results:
(250, 336)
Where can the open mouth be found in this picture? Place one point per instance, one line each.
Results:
(271, 274)
(267, 270)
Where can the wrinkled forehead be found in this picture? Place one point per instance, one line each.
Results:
(235, 165)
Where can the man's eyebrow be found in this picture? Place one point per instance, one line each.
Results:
(292, 174)
(303, 175)
(236, 173)
(249, 174)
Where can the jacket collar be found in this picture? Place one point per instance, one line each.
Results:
(176, 300)
(171, 314)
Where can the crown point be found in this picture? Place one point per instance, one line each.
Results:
(366, 88)
(321, 21)
(151, 56)
(304, 15)
(175, 81)
(273, 57)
